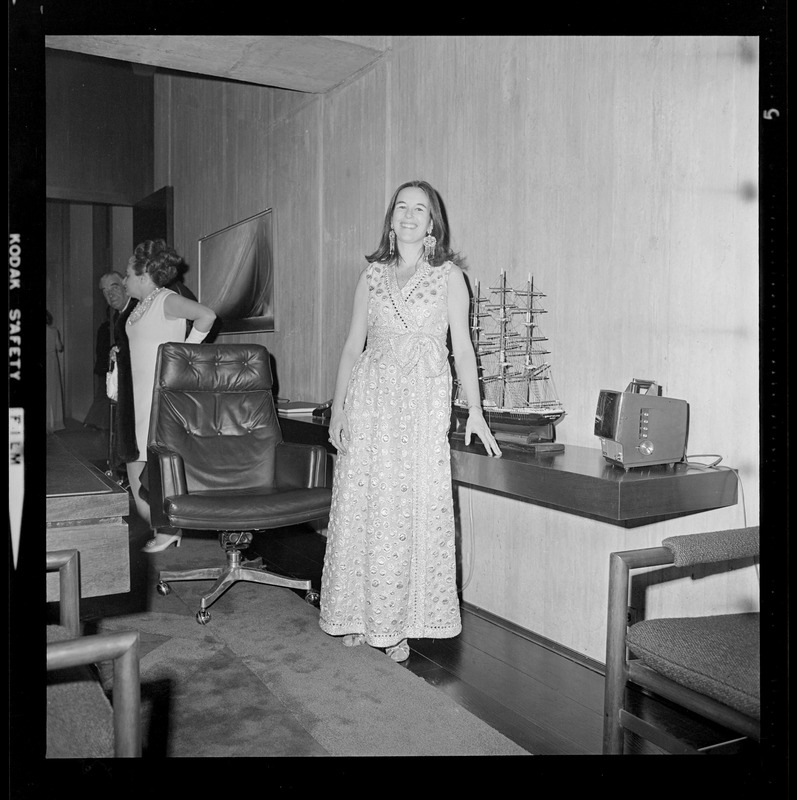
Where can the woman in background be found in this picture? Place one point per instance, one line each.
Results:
(159, 317)
(55, 388)
(390, 566)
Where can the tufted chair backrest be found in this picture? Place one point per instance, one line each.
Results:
(213, 405)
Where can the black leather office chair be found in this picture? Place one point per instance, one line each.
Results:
(81, 722)
(707, 664)
(217, 461)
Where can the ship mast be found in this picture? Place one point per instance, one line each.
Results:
(476, 326)
(532, 370)
(529, 323)
(505, 335)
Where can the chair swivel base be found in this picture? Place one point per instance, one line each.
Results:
(227, 576)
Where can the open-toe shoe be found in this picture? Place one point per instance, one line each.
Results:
(400, 651)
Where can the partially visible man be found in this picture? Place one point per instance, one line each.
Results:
(113, 290)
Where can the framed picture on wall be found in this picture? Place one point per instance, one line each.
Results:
(236, 274)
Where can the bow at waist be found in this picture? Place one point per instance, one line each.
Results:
(419, 351)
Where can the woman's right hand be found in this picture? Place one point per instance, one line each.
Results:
(338, 429)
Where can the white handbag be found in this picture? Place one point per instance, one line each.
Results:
(112, 379)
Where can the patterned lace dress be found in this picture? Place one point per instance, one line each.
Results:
(390, 566)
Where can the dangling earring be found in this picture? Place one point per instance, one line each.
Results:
(429, 244)
(392, 237)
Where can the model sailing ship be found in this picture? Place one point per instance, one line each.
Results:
(519, 398)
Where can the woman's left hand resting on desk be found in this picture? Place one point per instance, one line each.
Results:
(477, 425)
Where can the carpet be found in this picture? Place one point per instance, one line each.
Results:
(262, 679)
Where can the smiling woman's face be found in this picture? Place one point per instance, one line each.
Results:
(411, 215)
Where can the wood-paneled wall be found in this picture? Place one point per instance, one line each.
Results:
(80, 290)
(99, 130)
(620, 172)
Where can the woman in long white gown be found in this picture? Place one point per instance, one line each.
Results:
(390, 567)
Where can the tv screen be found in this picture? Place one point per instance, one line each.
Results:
(236, 274)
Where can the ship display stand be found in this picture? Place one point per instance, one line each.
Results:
(519, 399)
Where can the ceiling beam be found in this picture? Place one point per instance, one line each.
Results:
(300, 63)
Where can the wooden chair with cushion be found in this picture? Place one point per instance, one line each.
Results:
(707, 664)
(81, 722)
(217, 461)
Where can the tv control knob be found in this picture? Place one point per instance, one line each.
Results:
(646, 447)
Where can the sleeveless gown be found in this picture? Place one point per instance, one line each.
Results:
(390, 565)
(145, 335)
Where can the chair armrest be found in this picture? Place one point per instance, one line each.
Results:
(704, 548)
(166, 478)
(67, 563)
(616, 673)
(620, 566)
(300, 466)
(121, 647)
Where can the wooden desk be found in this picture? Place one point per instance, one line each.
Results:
(577, 481)
(84, 510)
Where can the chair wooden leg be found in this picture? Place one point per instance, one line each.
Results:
(67, 562)
(616, 675)
(654, 735)
(127, 701)
(121, 647)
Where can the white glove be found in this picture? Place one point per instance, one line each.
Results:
(196, 336)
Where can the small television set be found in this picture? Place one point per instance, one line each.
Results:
(639, 428)
(236, 274)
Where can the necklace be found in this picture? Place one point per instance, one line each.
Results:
(419, 265)
(142, 307)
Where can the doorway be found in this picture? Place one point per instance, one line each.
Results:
(84, 241)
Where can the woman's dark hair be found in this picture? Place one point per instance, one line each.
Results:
(155, 257)
(442, 252)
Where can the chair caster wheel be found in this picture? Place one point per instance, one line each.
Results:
(163, 588)
(202, 616)
(312, 597)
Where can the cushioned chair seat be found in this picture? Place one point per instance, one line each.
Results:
(79, 715)
(247, 509)
(716, 656)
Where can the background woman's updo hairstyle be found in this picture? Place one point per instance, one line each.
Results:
(442, 252)
(155, 257)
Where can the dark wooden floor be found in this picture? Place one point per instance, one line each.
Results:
(547, 703)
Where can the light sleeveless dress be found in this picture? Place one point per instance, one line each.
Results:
(145, 335)
(390, 565)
